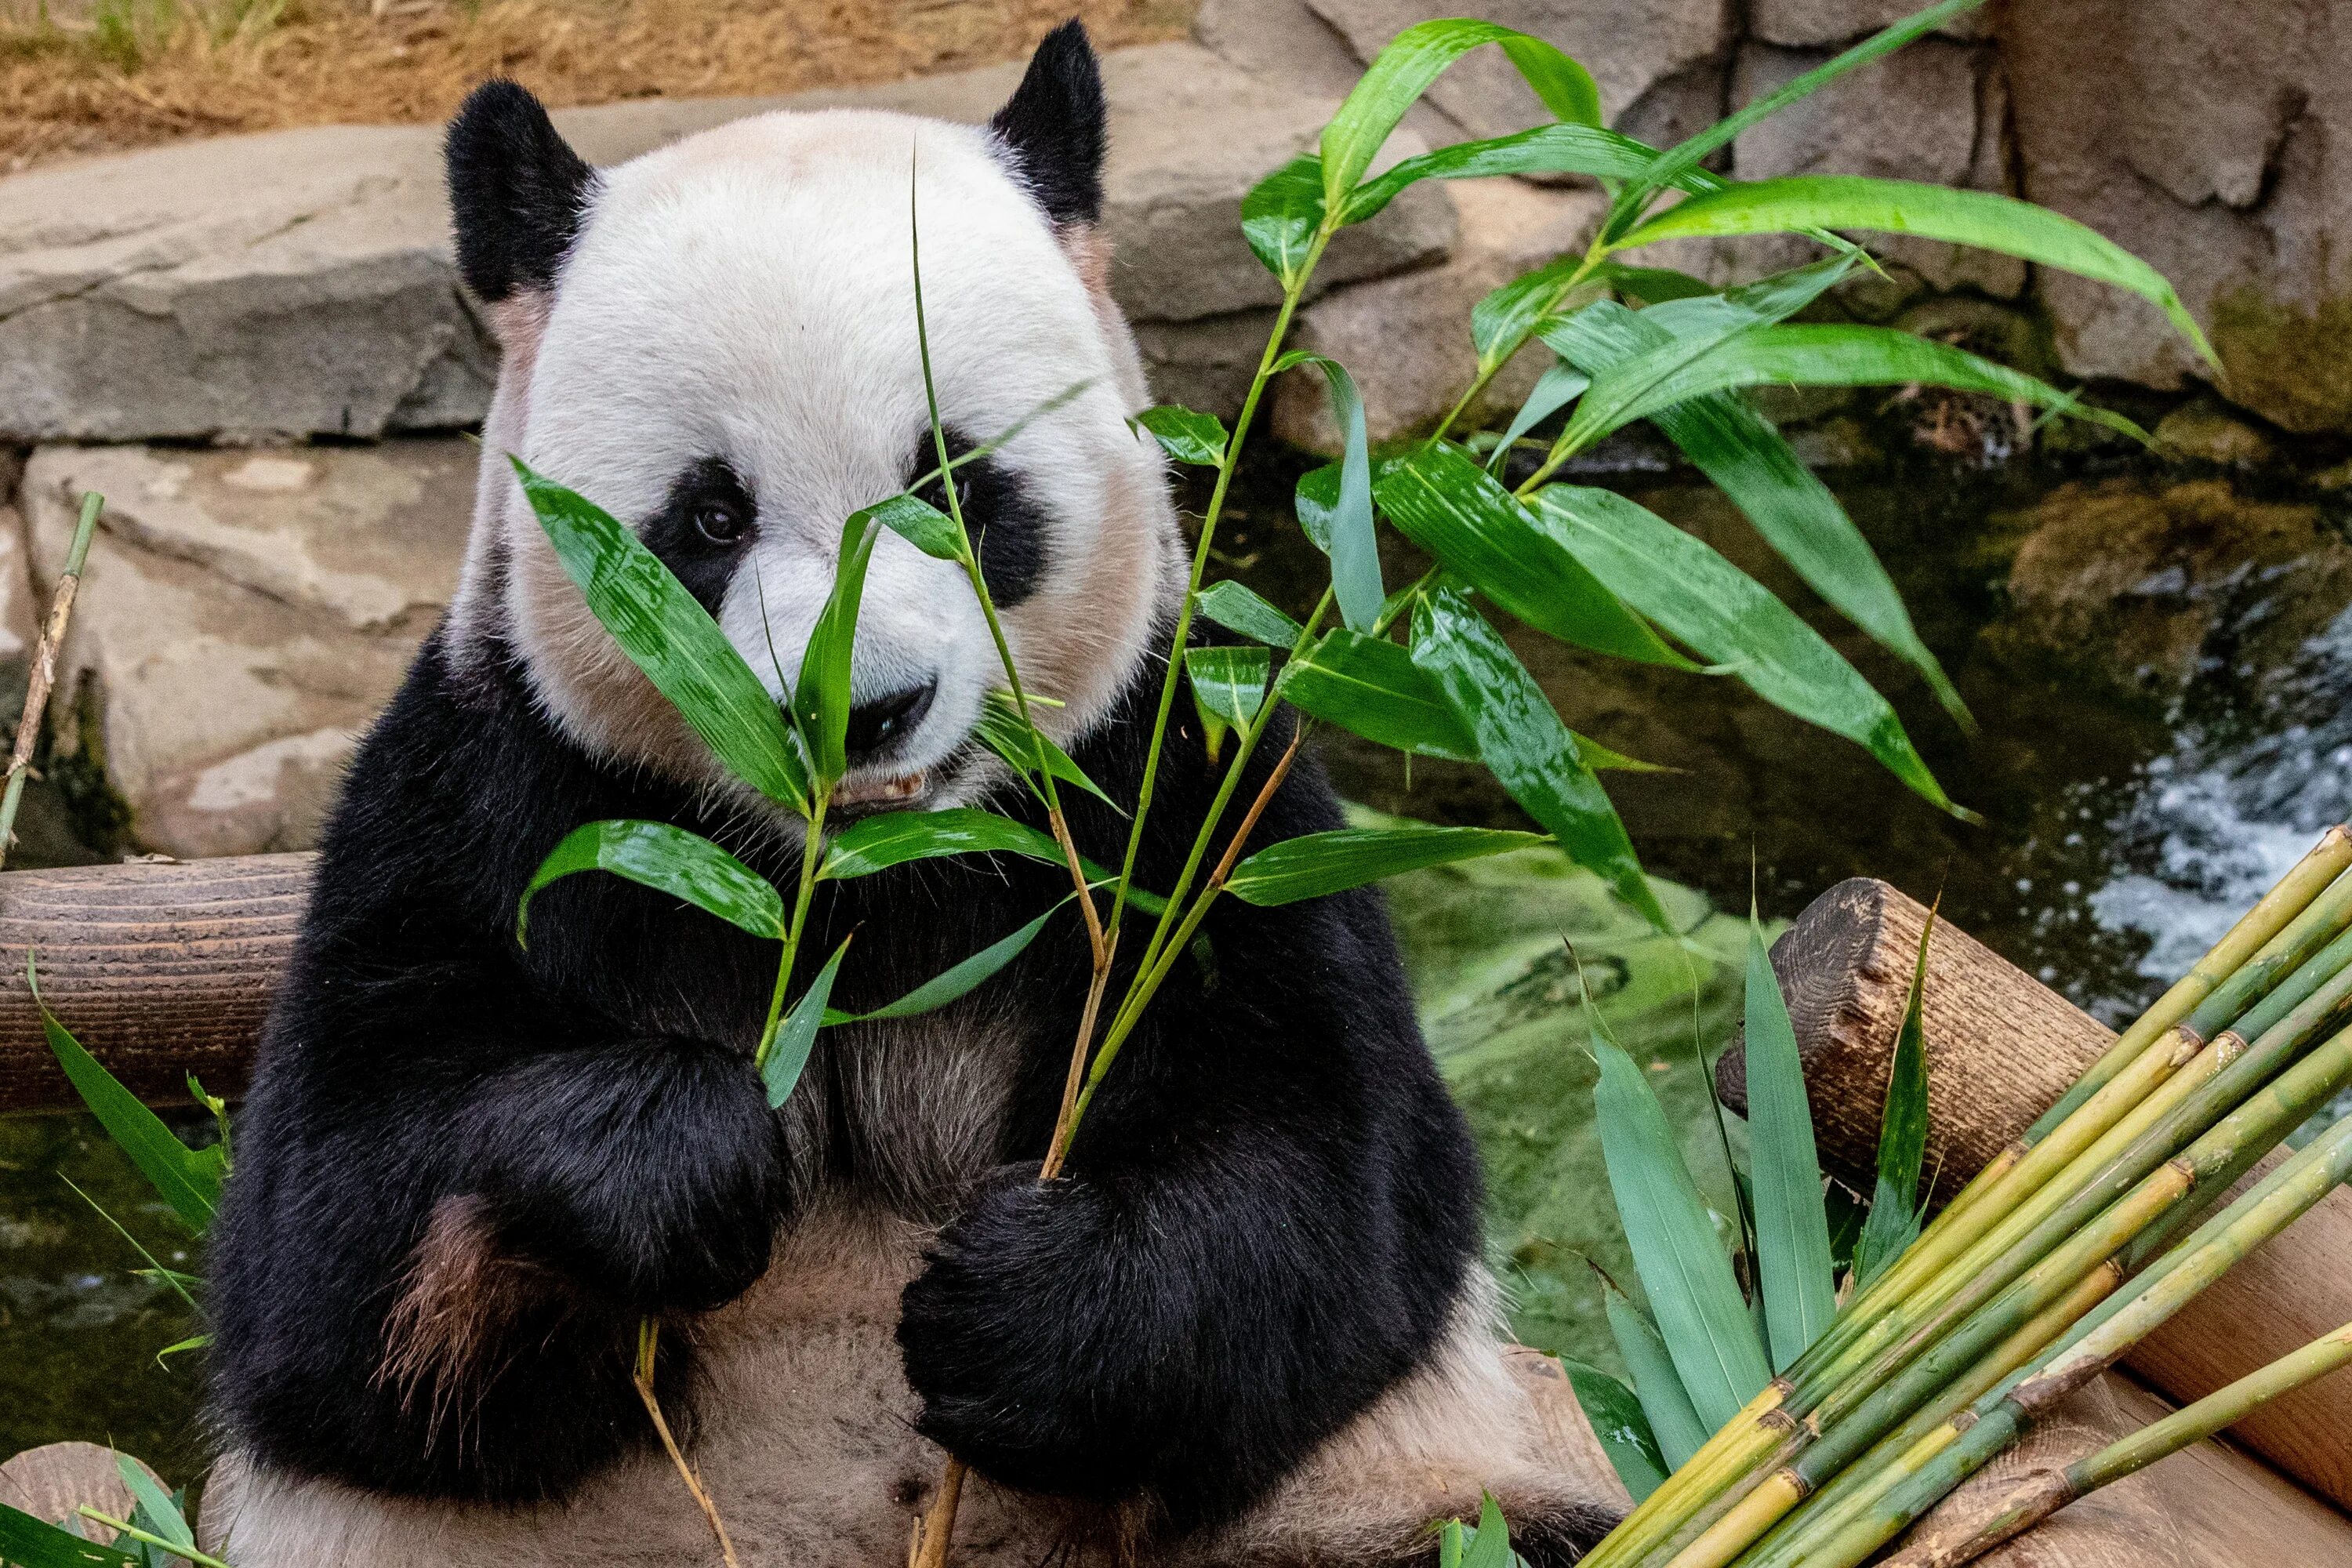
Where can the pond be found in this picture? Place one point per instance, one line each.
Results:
(2158, 659)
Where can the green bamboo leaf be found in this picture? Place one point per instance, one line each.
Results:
(29, 1542)
(672, 638)
(1185, 436)
(1693, 329)
(1738, 449)
(821, 701)
(891, 839)
(1281, 216)
(1561, 148)
(1678, 1430)
(182, 1347)
(1315, 864)
(1229, 683)
(1415, 58)
(1684, 1272)
(920, 523)
(1981, 218)
(1654, 285)
(788, 1054)
(1551, 393)
(189, 1180)
(954, 983)
(1371, 688)
(1345, 527)
(1793, 1223)
(1861, 357)
(1893, 1222)
(1522, 742)
(1490, 1546)
(1002, 729)
(1237, 609)
(669, 859)
(1681, 582)
(184, 1286)
(162, 1516)
(1502, 319)
(1618, 1421)
(1691, 153)
(1440, 498)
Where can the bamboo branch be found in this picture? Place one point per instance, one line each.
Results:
(45, 668)
(648, 1337)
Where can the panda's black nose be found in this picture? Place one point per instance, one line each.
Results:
(877, 728)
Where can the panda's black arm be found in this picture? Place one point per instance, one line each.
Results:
(1269, 1219)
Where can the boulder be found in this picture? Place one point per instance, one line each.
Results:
(1645, 55)
(1812, 23)
(1406, 340)
(2216, 153)
(299, 282)
(243, 617)
(2206, 432)
(2142, 585)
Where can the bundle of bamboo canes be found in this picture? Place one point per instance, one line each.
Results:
(2064, 1252)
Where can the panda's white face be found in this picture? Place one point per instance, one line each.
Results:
(729, 361)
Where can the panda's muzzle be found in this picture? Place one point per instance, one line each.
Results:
(878, 728)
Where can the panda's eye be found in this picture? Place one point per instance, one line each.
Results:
(720, 521)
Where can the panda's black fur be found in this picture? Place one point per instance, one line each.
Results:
(468, 1169)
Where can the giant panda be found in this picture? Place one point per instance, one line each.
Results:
(1250, 1324)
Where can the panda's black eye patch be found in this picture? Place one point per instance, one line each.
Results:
(1006, 525)
(702, 527)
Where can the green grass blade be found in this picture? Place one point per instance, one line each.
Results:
(1657, 1385)
(1689, 153)
(1684, 1272)
(1693, 329)
(181, 1285)
(822, 698)
(1793, 1225)
(1343, 529)
(1522, 741)
(188, 1180)
(1238, 609)
(1894, 1221)
(1736, 448)
(788, 1055)
(1438, 496)
(672, 638)
(1980, 219)
(952, 985)
(1551, 393)
(1862, 356)
(1315, 864)
(1003, 729)
(1414, 59)
(1621, 1425)
(1186, 436)
(668, 859)
(29, 1542)
(1679, 581)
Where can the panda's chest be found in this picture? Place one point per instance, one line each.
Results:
(906, 1112)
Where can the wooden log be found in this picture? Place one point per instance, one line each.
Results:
(2207, 1506)
(160, 968)
(2001, 1048)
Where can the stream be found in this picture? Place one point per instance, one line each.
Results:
(2157, 660)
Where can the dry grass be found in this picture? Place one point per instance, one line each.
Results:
(82, 76)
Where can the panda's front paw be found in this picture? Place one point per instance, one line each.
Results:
(1007, 1344)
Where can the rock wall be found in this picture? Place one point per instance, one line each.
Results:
(248, 610)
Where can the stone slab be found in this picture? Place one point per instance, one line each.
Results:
(244, 617)
(299, 282)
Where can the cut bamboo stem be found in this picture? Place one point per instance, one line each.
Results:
(45, 669)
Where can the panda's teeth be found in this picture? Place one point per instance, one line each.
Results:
(906, 786)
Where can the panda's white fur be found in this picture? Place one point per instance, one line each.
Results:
(749, 290)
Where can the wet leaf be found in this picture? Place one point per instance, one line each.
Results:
(1792, 1226)
(788, 1054)
(1315, 864)
(1185, 436)
(669, 859)
(1238, 609)
(1676, 1425)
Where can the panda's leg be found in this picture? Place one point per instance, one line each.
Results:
(1479, 1416)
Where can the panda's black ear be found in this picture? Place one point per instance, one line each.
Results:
(1055, 126)
(517, 192)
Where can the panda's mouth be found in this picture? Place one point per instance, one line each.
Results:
(883, 791)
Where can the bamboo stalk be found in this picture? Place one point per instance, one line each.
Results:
(2044, 1492)
(45, 668)
(1995, 1420)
